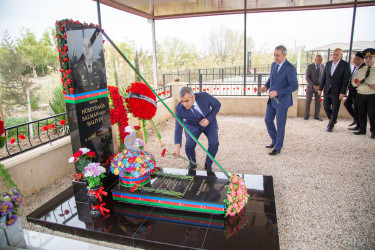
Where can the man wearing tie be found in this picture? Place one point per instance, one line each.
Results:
(334, 82)
(364, 81)
(314, 73)
(351, 101)
(281, 84)
(198, 113)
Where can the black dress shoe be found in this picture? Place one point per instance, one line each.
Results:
(329, 129)
(274, 152)
(318, 118)
(360, 132)
(306, 117)
(271, 145)
(372, 136)
(355, 128)
(208, 168)
(192, 166)
(353, 123)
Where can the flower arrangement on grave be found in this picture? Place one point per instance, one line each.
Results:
(133, 166)
(141, 103)
(93, 174)
(118, 113)
(10, 203)
(82, 158)
(237, 196)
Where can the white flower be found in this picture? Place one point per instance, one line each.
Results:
(71, 159)
(88, 174)
(84, 150)
(129, 129)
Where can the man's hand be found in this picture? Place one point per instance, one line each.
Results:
(176, 152)
(316, 88)
(204, 122)
(372, 86)
(263, 89)
(273, 93)
(320, 93)
(341, 96)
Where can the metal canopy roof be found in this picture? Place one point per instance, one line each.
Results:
(357, 46)
(166, 9)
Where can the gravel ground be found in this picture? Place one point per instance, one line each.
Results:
(324, 182)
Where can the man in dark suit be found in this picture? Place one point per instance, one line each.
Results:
(334, 82)
(89, 75)
(351, 100)
(281, 84)
(198, 113)
(314, 74)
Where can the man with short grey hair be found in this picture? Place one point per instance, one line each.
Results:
(281, 84)
(334, 82)
(198, 113)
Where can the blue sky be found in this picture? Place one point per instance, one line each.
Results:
(309, 28)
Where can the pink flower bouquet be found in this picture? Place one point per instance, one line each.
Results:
(237, 196)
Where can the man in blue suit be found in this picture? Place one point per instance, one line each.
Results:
(281, 84)
(198, 113)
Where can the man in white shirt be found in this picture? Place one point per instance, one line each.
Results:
(334, 82)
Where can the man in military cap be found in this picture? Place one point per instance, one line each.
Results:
(364, 81)
(89, 75)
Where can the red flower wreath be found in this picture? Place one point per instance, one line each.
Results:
(144, 106)
(118, 113)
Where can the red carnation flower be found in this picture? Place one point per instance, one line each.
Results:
(51, 126)
(22, 137)
(356, 80)
(159, 94)
(71, 90)
(64, 92)
(255, 89)
(168, 91)
(45, 128)
(77, 154)
(12, 140)
(1, 127)
(163, 153)
(320, 100)
(137, 127)
(62, 122)
(164, 92)
(91, 154)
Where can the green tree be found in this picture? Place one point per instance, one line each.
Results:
(15, 79)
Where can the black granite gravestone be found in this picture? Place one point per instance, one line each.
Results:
(84, 79)
(87, 104)
(204, 194)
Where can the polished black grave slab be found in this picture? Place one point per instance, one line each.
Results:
(159, 228)
(204, 194)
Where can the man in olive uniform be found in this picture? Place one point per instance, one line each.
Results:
(89, 75)
(364, 81)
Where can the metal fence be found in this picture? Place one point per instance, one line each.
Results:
(233, 85)
(26, 136)
(164, 93)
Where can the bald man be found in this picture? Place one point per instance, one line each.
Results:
(334, 82)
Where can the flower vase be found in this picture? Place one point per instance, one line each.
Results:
(127, 181)
(13, 235)
(94, 201)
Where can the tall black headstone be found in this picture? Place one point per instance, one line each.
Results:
(87, 98)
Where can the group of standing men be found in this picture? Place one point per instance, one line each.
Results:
(334, 79)
(197, 111)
